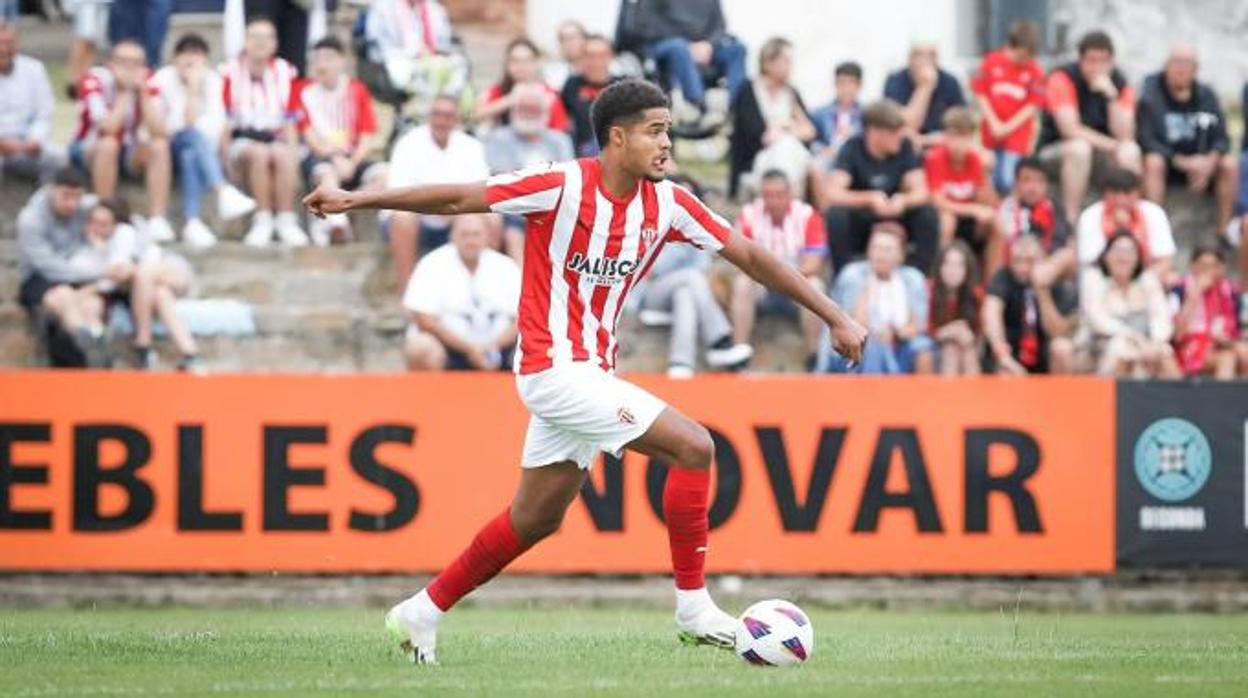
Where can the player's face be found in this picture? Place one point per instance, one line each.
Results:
(647, 145)
(1031, 186)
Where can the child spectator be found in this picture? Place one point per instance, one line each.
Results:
(1009, 87)
(840, 119)
(792, 230)
(1127, 314)
(890, 300)
(925, 92)
(1207, 324)
(1090, 115)
(26, 119)
(463, 299)
(1029, 210)
(955, 176)
(593, 75)
(1121, 208)
(120, 131)
(336, 122)
(520, 67)
(259, 91)
(1028, 319)
(770, 124)
(953, 322)
(189, 93)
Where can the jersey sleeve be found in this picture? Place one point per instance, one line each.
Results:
(299, 110)
(531, 190)
(695, 224)
(366, 119)
(816, 235)
(1060, 92)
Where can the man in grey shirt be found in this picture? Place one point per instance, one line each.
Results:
(60, 272)
(26, 114)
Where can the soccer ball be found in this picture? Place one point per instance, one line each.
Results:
(775, 633)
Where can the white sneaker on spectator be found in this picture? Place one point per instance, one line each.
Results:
(232, 203)
(261, 232)
(288, 230)
(197, 235)
(654, 318)
(729, 357)
(159, 230)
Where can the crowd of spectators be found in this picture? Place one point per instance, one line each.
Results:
(1012, 222)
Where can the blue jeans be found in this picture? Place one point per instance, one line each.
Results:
(672, 55)
(1241, 202)
(199, 171)
(879, 358)
(144, 21)
(8, 11)
(1003, 171)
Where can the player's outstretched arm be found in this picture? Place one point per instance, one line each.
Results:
(440, 199)
(848, 336)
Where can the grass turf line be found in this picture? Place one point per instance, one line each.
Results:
(613, 652)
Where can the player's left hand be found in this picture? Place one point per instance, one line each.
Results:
(848, 338)
(325, 200)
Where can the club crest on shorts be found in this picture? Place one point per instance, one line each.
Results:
(626, 416)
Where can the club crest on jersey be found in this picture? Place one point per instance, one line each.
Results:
(601, 271)
(649, 234)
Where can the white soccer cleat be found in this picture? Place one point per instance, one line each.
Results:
(261, 232)
(159, 230)
(417, 635)
(707, 626)
(197, 235)
(232, 203)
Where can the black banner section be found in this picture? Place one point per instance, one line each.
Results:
(1182, 455)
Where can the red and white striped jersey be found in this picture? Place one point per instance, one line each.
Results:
(97, 93)
(585, 249)
(339, 116)
(801, 231)
(261, 103)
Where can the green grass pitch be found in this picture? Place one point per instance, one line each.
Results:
(613, 652)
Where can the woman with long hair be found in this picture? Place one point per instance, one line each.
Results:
(954, 315)
(521, 65)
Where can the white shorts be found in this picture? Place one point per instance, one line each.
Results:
(578, 410)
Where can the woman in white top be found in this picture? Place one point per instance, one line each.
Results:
(155, 279)
(1127, 313)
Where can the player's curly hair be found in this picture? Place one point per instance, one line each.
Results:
(624, 102)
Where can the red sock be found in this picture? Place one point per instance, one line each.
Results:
(495, 546)
(684, 509)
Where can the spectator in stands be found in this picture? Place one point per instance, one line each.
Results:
(120, 131)
(26, 149)
(1009, 88)
(1027, 318)
(463, 299)
(925, 92)
(1119, 209)
(1090, 115)
(520, 67)
(1125, 308)
(793, 231)
(58, 272)
(338, 129)
(879, 177)
(890, 300)
(1207, 323)
(678, 293)
(1029, 210)
(953, 319)
(435, 152)
(143, 21)
(689, 41)
(414, 41)
(955, 176)
(1183, 134)
(153, 278)
(189, 94)
(90, 18)
(290, 19)
(840, 119)
(771, 126)
(592, 75)
(572, 39)
(258, 142)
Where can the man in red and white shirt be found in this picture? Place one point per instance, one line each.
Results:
(121, 131)
(793, 231)
(335, 120)
(259, 141)
(594, 228)
(1009, 87)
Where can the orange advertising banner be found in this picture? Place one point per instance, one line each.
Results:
(167, 472)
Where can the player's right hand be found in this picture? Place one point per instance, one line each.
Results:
(848, 338)
(325, 200)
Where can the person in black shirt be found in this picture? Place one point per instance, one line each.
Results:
(1027, 317)
(593, 74)
(1182, 131)
(878, 177)
(925, 92)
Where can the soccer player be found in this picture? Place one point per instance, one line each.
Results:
(594, 227)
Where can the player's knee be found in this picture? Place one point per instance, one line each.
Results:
(698, 450)
(538, 523)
